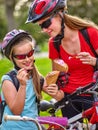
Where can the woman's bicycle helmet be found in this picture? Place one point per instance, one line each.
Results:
(40, 9)
(10, 38)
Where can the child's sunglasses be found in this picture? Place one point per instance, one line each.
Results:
(23, 56)
(46, 23)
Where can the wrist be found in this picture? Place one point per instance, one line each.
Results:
(59, 95)
(22, 86)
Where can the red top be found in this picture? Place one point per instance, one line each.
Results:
(80, 74)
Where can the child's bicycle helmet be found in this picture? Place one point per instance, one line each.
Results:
(10, 39)
(40, 9)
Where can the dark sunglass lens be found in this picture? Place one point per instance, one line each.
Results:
(46, 24)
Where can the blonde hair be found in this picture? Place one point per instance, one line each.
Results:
(36, 80)
(36, 76)
(77, 23)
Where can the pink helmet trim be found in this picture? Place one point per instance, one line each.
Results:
(11, 35)
(10, 38)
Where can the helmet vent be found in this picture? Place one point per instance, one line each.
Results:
(39, 7)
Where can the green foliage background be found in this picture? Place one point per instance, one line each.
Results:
(82, 8)
(43, 65)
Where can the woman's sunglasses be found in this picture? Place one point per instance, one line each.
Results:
(23, 56)
(46, 23)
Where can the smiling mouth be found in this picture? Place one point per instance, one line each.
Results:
(49, 33)
(27, 65)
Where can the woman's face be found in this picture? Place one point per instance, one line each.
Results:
(51, 25)
(23, 55)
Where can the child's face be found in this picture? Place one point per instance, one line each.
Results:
(23, 55)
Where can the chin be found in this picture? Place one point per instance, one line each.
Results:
(28, 68)
(52, 35)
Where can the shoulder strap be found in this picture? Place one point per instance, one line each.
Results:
(12, 75)
(41, 82)
(2, 106)
(56, 44)
(86, 36)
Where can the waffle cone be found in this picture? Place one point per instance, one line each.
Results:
(60, 65)
(52, 77)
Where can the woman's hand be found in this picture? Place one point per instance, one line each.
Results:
(86, 58)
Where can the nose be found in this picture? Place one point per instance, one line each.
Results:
(27, 58)
(44, 30)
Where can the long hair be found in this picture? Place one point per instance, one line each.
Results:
(36, 76)
(37, 81)
(77, 23)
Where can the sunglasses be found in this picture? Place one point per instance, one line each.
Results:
(46, 23)
(23, 56)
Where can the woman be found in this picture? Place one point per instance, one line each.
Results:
(67, 42)
(18, 47)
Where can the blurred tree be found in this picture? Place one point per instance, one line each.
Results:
(13, 14)
(9, 12)
(3, 25)
(84, 9)
(21, 13)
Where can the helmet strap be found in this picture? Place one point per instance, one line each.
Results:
(15, 65)
(59, 37)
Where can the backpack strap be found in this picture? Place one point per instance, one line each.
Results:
(15, 81)
(86, 37)
(56, 44)
(41, 82)
(2, 106)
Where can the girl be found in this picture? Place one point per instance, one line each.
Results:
(18, 47)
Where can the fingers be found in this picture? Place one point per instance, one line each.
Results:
(52, 89)
(22, 76)
(86, 58)
(22, 73)
(29, 68)
(83, 54)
